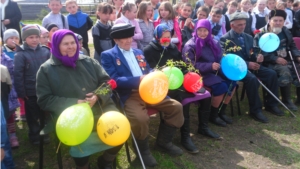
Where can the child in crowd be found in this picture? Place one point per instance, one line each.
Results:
(79, 22)
(55, 16)
(225, 9)
(117, 4)
(289, 4)
(232, 8)
(245, 7)
(296, 6)
(177, 9)
(10, 39)
(259, 14)
(129, 11)
(289, 18)
(81, 48)
(167, 16)
(214, 19)
(271, 4)
(44, 40)
(202, 13)
(220, 4)
(28, 59)
(185, 22)
(101, 30)
(13, 102)
(155, 4)
(51, 29)
(144, 16)
(112, 17)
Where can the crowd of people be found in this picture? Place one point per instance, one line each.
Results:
(46, 68)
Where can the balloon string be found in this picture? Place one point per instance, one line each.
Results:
(58, 147)
(80, 149)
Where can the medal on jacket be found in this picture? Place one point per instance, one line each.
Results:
(118, 62)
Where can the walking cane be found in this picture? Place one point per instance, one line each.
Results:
(134, 140)
(290, 53)
(275, 96)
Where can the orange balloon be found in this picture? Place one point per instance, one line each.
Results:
(154, 87)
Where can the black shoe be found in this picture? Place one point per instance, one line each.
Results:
(274, 110)
(286, 97)
(188, 144)
(207, 132)
(259, 117)
(214, 117)
(147, 157)
(164, 140)
(223, 116)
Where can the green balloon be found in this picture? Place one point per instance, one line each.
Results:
(75, 124)
(175, 77)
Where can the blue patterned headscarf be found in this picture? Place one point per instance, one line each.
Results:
(159, 30)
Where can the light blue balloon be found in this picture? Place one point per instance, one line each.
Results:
(234, 67)
(269, 42)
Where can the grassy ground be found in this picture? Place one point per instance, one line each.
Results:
(245, 144)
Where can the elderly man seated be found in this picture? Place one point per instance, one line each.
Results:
(122, 64)
(279, 60)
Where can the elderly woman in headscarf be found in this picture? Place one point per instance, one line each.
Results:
(205, 53)
(157, 53)
(66, 79)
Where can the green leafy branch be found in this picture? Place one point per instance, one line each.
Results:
(235, 48)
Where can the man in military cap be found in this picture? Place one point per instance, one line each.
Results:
(279, 60)
(237, 37)
(127, 67)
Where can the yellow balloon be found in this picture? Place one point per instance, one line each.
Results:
(75, 124)
(154, 87)
(113, 128)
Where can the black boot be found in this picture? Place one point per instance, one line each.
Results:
(103, 163)
(298, 96)
(186, 140)
(223, 116)
(147, 157)
(214, 117)
(286, 97)
(164, 139)
(203, 128)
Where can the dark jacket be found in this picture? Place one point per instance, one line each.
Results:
(13, 13)
(153, 52)
(80, 23)
(27, 62)
(271, 57)
(59, 87)
(250, 52)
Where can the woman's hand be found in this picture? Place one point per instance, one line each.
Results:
(91, 98)
(215, 66)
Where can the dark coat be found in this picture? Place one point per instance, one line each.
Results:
(153, 53)
(59, 87)
(296, 24)
(204, 62)
(13, 13)
(115, 64)
(27, 62)
(271, 57)
(250, 54)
